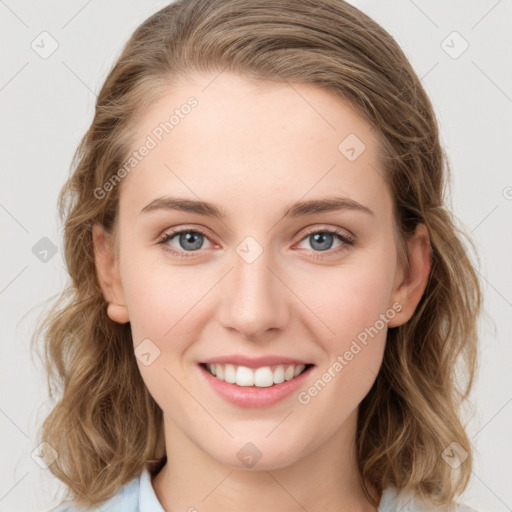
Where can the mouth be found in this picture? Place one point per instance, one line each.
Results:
(261, 377)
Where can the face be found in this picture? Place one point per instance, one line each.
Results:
(293, 262)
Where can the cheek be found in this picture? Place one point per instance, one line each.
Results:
(351, 298)
(151, 306)
(356, 308)
(160, 303)
(158, 296)
(355, 304)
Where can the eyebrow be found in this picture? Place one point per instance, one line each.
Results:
(299, 209)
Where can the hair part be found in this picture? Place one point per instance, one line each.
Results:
(105, 425)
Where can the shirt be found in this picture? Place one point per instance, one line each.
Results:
(138, 495)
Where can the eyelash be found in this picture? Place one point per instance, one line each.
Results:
(342, 236)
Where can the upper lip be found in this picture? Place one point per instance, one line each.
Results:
(254, 362)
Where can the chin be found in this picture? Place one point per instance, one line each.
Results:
(258, 455)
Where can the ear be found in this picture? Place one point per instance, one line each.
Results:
(108, 274)
(412, 276)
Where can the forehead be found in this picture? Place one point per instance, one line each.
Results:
(233, 141)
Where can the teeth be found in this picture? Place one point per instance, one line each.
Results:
(244, 376)
(298, 369)
(263, 377)
(230, 374)
(289, 373)
(279, 374)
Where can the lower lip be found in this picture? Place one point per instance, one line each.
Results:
(252, 396)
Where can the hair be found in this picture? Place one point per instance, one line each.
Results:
(104, 424)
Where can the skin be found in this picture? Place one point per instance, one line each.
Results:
(254, 148)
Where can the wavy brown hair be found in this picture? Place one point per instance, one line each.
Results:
(105, 425)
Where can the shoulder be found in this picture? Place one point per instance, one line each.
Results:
(394, 501)
(126, 499)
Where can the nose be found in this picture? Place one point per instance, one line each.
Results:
(254, 301)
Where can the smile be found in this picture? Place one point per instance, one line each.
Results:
(262, 377)
(255, 381)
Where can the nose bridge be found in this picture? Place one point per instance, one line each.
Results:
(254, 300)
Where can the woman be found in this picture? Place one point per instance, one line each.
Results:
(269, 297)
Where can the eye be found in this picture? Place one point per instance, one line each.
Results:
(322, 240)
(186, 241)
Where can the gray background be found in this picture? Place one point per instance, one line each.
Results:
(48, 103)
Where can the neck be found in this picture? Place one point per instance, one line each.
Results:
(324, 480)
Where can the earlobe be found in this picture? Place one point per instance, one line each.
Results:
(118, 313)
(413, 278)
(108, 275)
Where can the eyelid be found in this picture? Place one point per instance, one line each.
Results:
(343, 233)
(171, 232)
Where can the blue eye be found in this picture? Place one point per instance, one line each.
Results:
(191, 241)
(322, 240)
